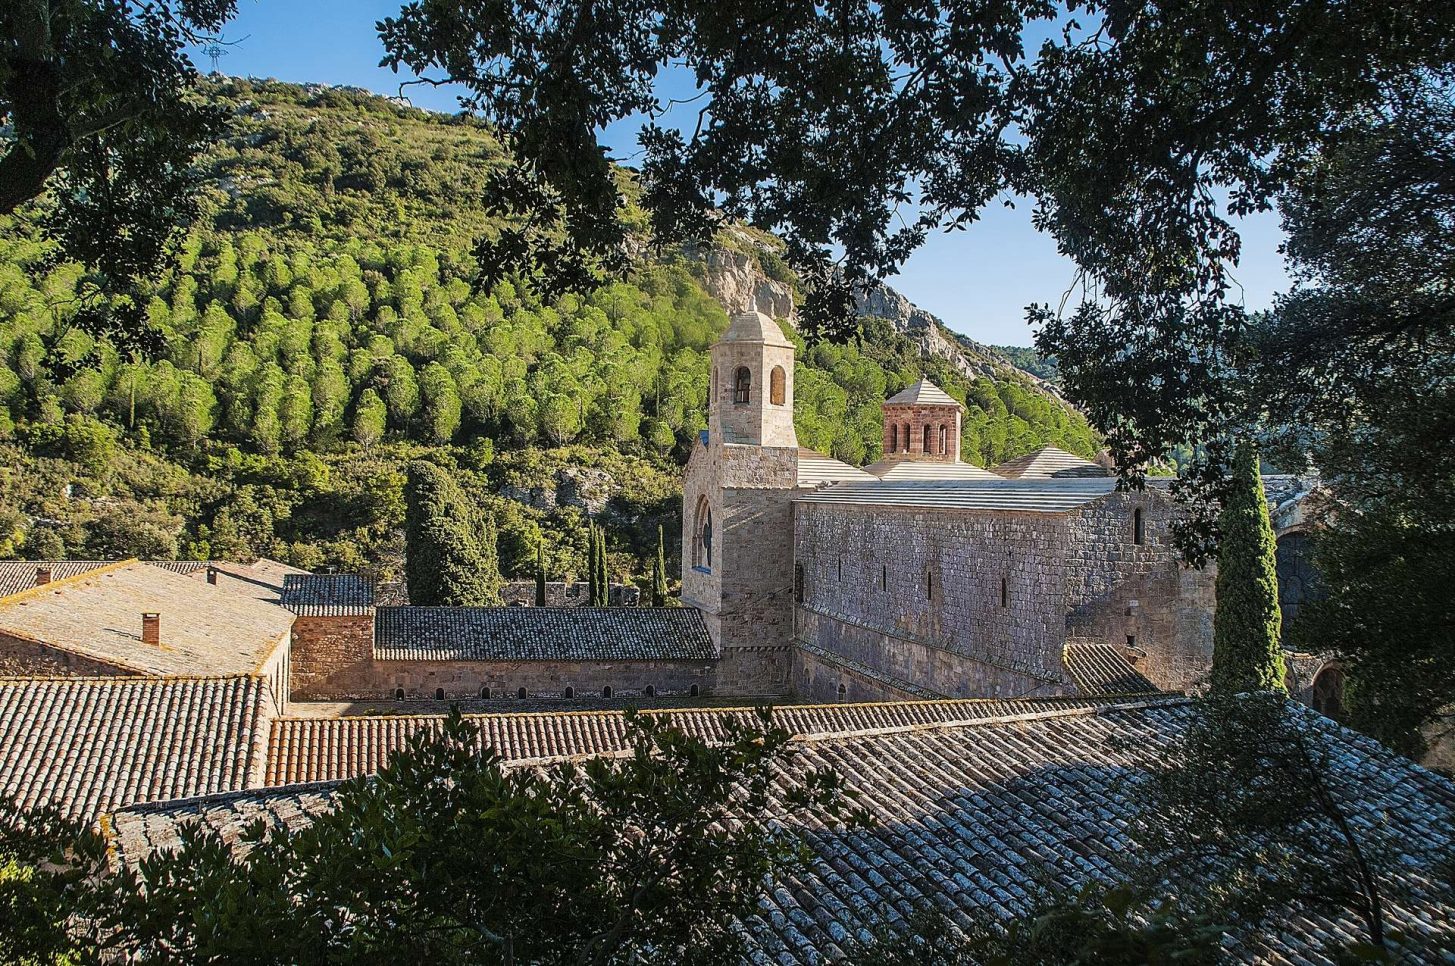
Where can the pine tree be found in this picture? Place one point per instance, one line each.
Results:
(451, 558)
(1247, 625)
(659, 572)
(540, 573)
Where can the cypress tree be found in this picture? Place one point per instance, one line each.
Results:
(600, 593)
(659, 572)
(540, 573)
(591, 562)
(451, 557)
(1247, 625)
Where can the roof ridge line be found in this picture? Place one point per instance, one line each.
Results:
(39, 589)
(125, 678)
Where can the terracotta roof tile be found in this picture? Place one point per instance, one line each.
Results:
(97, 614)
(89, 745)
(541, 634)
(324, 749)
(1101, 668)
(972, 814)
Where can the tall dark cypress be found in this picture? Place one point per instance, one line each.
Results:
(451, 558)
(1247, 655)
(540, 573)
(659, 572)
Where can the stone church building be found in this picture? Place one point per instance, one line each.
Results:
(920, 575)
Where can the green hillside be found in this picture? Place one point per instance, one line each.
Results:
(323, 329)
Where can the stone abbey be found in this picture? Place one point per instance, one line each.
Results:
(920, 576)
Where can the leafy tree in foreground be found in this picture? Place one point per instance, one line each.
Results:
(449, 856)
(104, 126)
(451, 553)
(1247, 653)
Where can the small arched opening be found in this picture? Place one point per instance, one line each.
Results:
(694, 691)
(520, 694)
(926, 446)
(777, 382)
(742, 386)
(606, 691)
(485, 693)
(843, 691)
(570, 692)
(1328, 692)
(650, 691)
(398, 694)
(439, 694)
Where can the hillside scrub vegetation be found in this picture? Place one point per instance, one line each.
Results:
(323, 324)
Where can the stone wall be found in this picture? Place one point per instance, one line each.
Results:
(540, 679)
(22, 657)
(1140, 596)
(822, 678)
(328, 651)
(962, 603)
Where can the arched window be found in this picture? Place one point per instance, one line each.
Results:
(694, 691)
(606, 691)
(944, 440)
(520, 694)
(398, 694)
(485, 693)
(439, 694)
(570, 692)
(1004, 592)
(776, 383)
(843, 691)
(742, 385)
(894, 437)
(650, 691)
(927, 446)
(906, 437)
(1139, 530)
(702, 536)
(714, 385)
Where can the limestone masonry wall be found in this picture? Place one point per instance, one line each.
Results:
(20, 657)
(963, 603)
(328, 651)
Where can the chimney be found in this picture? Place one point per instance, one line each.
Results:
(42, 576)
(151, 628)
(212, 575)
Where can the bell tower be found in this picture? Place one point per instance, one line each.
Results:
(737, 509)
(751, 399)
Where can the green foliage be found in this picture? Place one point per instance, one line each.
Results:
(326, 303)
(650, 857)
(659, 572)
(450, 548)
(1247, 626)
(540, 574)
(597, 581)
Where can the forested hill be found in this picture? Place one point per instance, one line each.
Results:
(322, 329)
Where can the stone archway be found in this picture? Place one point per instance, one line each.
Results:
(1328, 691)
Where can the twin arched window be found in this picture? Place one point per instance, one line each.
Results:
(742, 385)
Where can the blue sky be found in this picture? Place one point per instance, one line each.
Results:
(978, 281)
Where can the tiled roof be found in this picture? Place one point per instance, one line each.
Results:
(1029, 496)
(892, 470)
(1047, 463)
(327, 594)
(324, 749)
(18, 575)
(541, 634)
(816, 469)
(922, 393)
(89, 745)
(204, 629)
(977, 815)
(1101, 668)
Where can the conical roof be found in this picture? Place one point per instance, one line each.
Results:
(1049, 463)
(922, 393)
(754, 327)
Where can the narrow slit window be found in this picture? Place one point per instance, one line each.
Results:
(926, 444)
(841, 568)
(944, 440)
(884, 578)
(929, 585)
(894, 437)
(1139, 528)
(1004, 592)
(798, 583)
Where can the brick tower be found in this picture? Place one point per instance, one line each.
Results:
(737, 519)
(922, 423)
